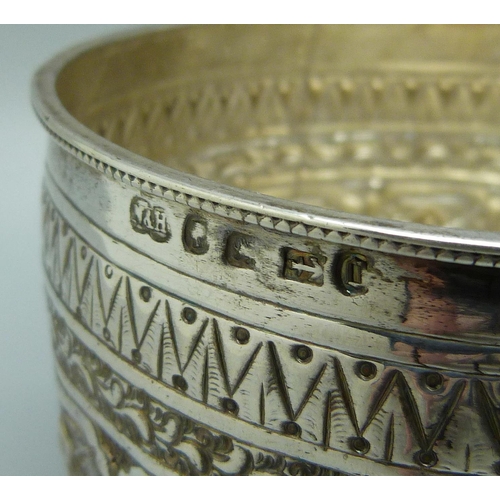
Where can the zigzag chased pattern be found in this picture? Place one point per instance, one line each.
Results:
(391, 415)
(192, 110)
(172, 440)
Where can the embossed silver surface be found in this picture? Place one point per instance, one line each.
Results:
(272, 250)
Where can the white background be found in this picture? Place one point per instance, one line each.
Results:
(29, 443)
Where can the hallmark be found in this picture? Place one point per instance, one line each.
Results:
(236, 246)
(304, 267)
(238, 250)
(194, 236)
(350, 269)
(146, 219)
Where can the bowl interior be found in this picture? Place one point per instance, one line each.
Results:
(398, 122)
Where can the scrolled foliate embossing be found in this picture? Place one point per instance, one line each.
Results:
(177, 442)
(182, 347)
(87, 447)
(338, 402)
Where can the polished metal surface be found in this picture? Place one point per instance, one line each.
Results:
(273, 250)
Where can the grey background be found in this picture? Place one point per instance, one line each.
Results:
(29, 443)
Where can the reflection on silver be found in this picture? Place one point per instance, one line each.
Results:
(206, 320)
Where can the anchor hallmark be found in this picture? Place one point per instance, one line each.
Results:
(304, 267)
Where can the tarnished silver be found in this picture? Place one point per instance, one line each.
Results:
(209, 317)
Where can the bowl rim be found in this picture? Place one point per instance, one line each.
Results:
(465, 246)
